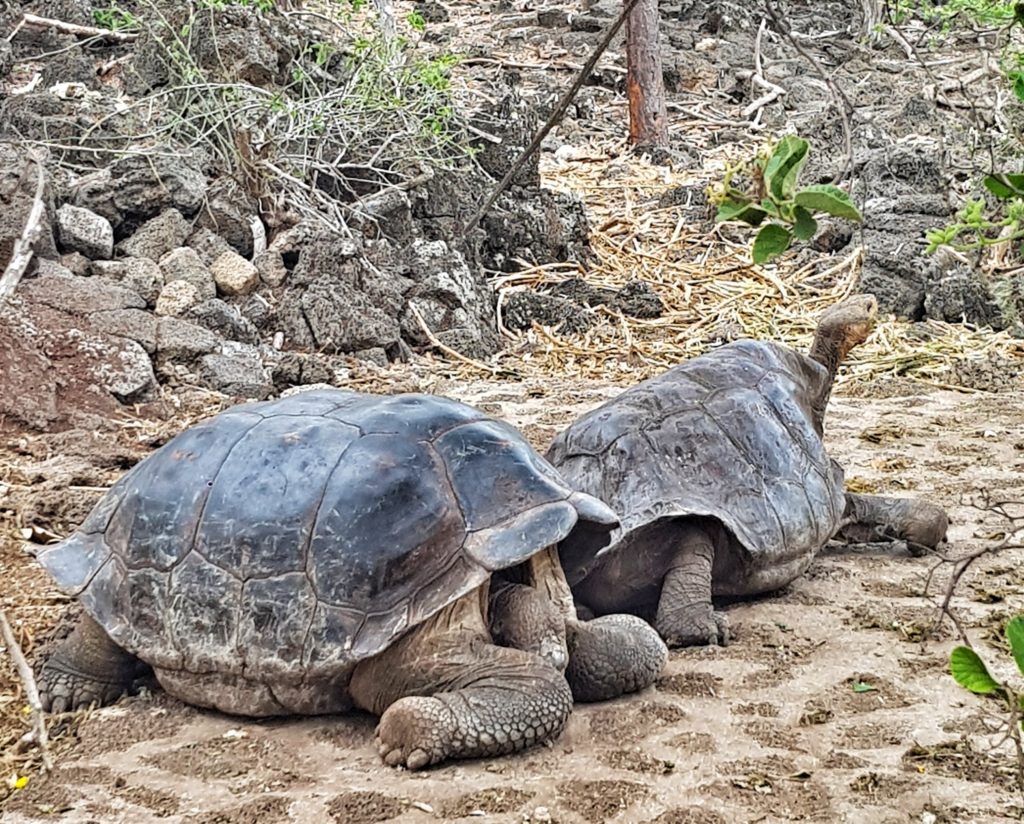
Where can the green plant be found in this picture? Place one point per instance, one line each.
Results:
(114, 18)
(972, 674)
(978, 12)
(773, 193)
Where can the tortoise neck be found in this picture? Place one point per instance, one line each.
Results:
(828, 352)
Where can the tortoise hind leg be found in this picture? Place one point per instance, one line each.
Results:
(921, 524)
(86, 668)
(444, 691)
(685, 615)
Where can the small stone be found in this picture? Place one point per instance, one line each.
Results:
(134, 324)
(79, 230)
(76, 263)
(234, 275)
(257, 311)
(375, 355)
(176, 298)
(179, 340)
(127, 374)
(156, 237)
(208, 245)
(270, 265)
(224, 319)
(140, 274)
(78, 296)
(236, 370)
(184, 264)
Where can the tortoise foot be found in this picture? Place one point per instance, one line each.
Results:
(64, 690)
(696, 628)
(414, 733)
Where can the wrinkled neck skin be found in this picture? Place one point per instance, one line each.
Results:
(527, 609)
(829, 353)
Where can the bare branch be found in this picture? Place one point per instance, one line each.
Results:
(21, 254)
(32, 21)
(28, 681)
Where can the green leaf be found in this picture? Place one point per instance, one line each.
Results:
(970, 672)
(805, 225)
(747, 212)
(1015, 635)
(1018, 86)
(1005, 186)
(864, 686)
(771, 242)
(783, 167)
(829, 199)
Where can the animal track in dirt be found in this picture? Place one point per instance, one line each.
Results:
(764, 709)
(636, 760)
(364, 807)
(693, 743)
(689, 815)
(131, 721)
(631, 723)
(270, 809)
(229, 758)
(858, 735)
(690, 684)
(959, 759)
(597, 801)
(771, 734)
(494, 800)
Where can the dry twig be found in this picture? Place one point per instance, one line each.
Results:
(21, 254)
(33, 21)
(28, 681)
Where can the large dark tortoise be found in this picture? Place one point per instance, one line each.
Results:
(335, 549)
(718, 471)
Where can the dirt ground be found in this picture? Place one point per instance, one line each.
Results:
(828, 706)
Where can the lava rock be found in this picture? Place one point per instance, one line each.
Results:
(179, 340)
(79, 296)
(141, 275)
(18, 180)
(176, 298)
(341, 319)
(184, 263)
(270, 265)
(136, 187)
(76, 263)
(127, 374)
(521, 309)
(229, 212)
(156, 237)
(224, 319)
(208, 246)
(234, 275)
(134, 324)
(236, 370)
(298, 369)
(79, 230)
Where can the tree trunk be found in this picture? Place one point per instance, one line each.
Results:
(648, 119)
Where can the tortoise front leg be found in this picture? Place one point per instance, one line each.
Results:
(921, 524)
(685, 615)
(86, 668)
(444, 691)
(608, 656)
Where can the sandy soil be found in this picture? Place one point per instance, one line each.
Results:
(770, 728)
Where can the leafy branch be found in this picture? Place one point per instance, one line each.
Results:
(773, 194)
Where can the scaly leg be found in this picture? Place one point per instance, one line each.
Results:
(685, 615)
(444, 691)
(86, 668)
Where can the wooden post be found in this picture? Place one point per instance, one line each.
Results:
(648, 118)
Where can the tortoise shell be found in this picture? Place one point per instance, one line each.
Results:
(290, 539)
(730, 435)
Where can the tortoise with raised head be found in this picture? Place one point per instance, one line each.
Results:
(335, 549)
(718, 472)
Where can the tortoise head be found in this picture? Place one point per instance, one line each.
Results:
(844, 326)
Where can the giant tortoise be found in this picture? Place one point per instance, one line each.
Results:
(334, 549)
(718, 472)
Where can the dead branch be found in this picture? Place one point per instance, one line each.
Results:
(33, 21)
(28, 681)
(556, 115)
(21, 254)
(437, 344)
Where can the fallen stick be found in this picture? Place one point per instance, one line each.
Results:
(21, 254)
(35, 22)
(31, 692)
(437, 344)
